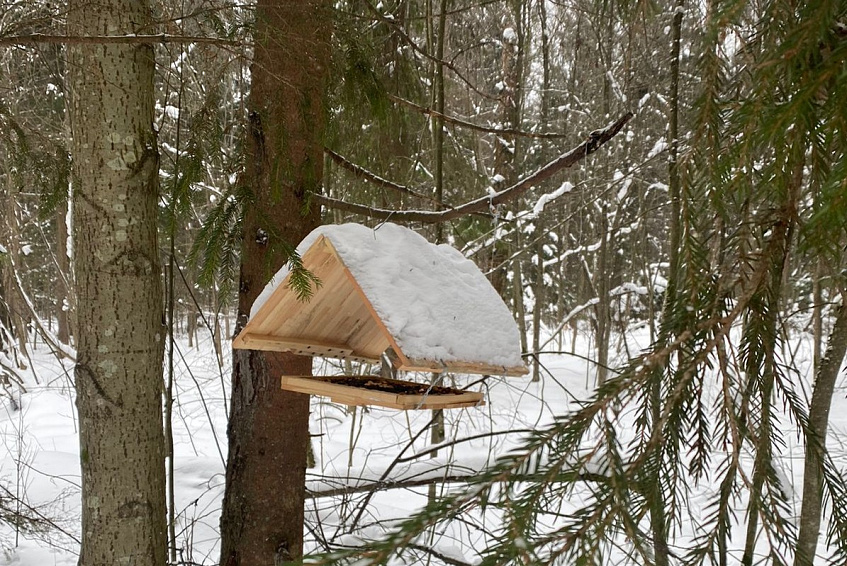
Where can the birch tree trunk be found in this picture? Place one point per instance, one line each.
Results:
(119, 309)
(262, 516)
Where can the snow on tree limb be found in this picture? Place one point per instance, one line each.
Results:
(595, 141)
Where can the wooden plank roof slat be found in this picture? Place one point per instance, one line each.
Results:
(376, 318)
(313, 347)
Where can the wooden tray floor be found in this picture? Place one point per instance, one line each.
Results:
(382, 392)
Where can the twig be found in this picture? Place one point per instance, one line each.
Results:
(362, 173)
(386, 485)
(443, 557)
(476, 127)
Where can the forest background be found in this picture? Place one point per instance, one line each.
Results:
(673, 169)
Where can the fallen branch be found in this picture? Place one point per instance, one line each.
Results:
(387, 485)
(595, 141)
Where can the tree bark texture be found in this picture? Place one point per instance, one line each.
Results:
(262, 516)
(119, 311)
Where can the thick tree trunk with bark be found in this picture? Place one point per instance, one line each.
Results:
(262, 517)
(120, 330)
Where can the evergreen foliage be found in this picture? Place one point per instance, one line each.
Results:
(762, 219)
(768, 142)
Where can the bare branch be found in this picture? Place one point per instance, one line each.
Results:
(471, 126)
(595, 141)
(443, 557)
(35, 38)
(387, 485)
(362, 173)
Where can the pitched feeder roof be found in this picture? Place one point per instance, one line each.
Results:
(388, 287)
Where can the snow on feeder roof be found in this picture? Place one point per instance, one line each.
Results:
(384, 288)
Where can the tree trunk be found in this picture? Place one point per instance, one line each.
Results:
(538, 289)
(506, 146)
(517, 296)
(63, 263)
(120, 328)
(437, 432)
(262, 516)
(658, 519)
(762, 360)
(827, 374)
(539, 299)
(12, 297)
(191, 326)
(603, 308)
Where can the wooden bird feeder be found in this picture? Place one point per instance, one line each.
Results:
(387, 289)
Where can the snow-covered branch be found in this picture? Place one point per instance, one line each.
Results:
(595, 141)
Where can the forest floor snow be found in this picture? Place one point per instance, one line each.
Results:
(39, 457)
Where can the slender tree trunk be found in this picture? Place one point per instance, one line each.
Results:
(539, 298)
(63, 263)
(817, 315)
(517, 295)
(506, 146)
(674, 183)
(12, 297)
(119, 290)
(762, 363)
(658, 519)
(191, 327)
(827, 374)
(538, 288)
(437, 432)
(262, 515)
(603, 308)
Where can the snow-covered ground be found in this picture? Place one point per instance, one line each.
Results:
(39, 460)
